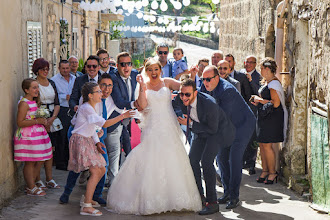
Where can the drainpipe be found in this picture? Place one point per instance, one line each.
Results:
(279, 36)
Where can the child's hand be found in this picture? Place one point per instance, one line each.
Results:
(99, 147)
(100, 133)
(128, 114)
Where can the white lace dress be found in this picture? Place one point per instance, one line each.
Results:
(156, 176)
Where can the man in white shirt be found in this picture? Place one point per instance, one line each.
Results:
(104, 61)
(64, 81)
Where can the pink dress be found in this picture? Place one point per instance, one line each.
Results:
(32, 143)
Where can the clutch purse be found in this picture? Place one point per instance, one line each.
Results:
(56, 126)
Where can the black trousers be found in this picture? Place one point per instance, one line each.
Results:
(61, 155)
(251, 151)
(204, 150)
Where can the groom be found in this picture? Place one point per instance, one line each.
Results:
(209, 124)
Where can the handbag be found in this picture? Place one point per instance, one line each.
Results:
(265, 110)
(56, 126)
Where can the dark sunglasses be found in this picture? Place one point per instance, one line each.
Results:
(112, 64)
(163, 52)
(222, 68)
(103, 85)
(123, 64)
(208, 79)
(90, 66)
(184, 94)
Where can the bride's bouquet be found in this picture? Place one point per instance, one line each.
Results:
(42, 112)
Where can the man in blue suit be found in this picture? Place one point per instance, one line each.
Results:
(92, 68)
(124, 84)
(209, 124)
(240, 114)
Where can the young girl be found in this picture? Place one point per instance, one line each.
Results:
(31, 141)
(83, 152)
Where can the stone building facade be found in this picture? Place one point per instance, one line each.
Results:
(31, 29)
(299, 30)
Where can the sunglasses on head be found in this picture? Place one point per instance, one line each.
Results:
(163, 52)
(208, 79)
(123, 64)
(181, 94)
(222, 68)
(90, 66)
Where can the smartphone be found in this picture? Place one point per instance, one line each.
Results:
(251, 99)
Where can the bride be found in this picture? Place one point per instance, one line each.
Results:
(156, 176)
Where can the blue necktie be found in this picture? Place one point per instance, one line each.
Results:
(105, 116)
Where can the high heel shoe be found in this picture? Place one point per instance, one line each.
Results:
(268, 181)
(262, 179)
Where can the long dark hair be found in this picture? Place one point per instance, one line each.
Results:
(87, 89)
(26, 84)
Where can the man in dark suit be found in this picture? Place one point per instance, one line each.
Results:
(250, 155)
(224, 71)
(104, 57)
(124, 84)
(230, 158)
(92, 68)
(209, 124)
(246, 91)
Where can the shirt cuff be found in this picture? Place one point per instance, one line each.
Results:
(132, 105)
(96, 138)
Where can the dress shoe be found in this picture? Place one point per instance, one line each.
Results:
(233, 203)
(100, 200)
(223, 199)
(209, 209)
(64, 199)
(252, 171)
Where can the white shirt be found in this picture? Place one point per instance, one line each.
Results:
(96, 78)
(232, 74)
(102, 72)
(63, 88)
(86, 122)
(109, 103)
(193, 111)
(251, 71)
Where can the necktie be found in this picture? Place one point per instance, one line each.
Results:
(200, 83)
(105, 116)
(92, 80)
(188, 128)
(128, 89)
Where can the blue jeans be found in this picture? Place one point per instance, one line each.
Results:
(72, 176)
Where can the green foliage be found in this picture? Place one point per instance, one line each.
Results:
(64, 34)
(139, 58)
(81, 64)
(115, 33)
(198, 34)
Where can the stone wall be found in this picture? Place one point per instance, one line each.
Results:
(136, 46)
(243, 28)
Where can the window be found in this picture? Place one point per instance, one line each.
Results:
(34, 44)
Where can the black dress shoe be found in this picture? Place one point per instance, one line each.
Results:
(233, 203)
(223, 199)
(252, 170)
(209, 209)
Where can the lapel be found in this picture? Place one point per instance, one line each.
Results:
(122, 86)
(199, 107)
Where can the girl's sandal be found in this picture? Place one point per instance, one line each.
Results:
(52, 184)
(41, 185)
(89, 205)
(94, 203)
(36, 191)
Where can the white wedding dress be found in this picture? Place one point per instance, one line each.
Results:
(156, 176)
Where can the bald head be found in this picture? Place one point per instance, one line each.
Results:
(210, 77)
(216, 57)
(223, 68)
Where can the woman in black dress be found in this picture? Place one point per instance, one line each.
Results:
(270, 119)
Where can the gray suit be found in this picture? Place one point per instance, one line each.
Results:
(235, 83)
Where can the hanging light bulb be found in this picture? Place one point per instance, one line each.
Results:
(215, 1)
(160, 20)
(145, 3)
(177, 5)
(163, 6)
(120, 11)
(152, 18)
(139, 15)
(186, 2)
(117, 3)
(138, 5)
(154, 5)
(130, 10)
(212, 29)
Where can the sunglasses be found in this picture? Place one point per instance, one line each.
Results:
(123, 64)
(208, 79)
(222, 68)
(112, 64)
(184, 94)
(103, 85)
(163, 52)
(90, 66)
(98, 91)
